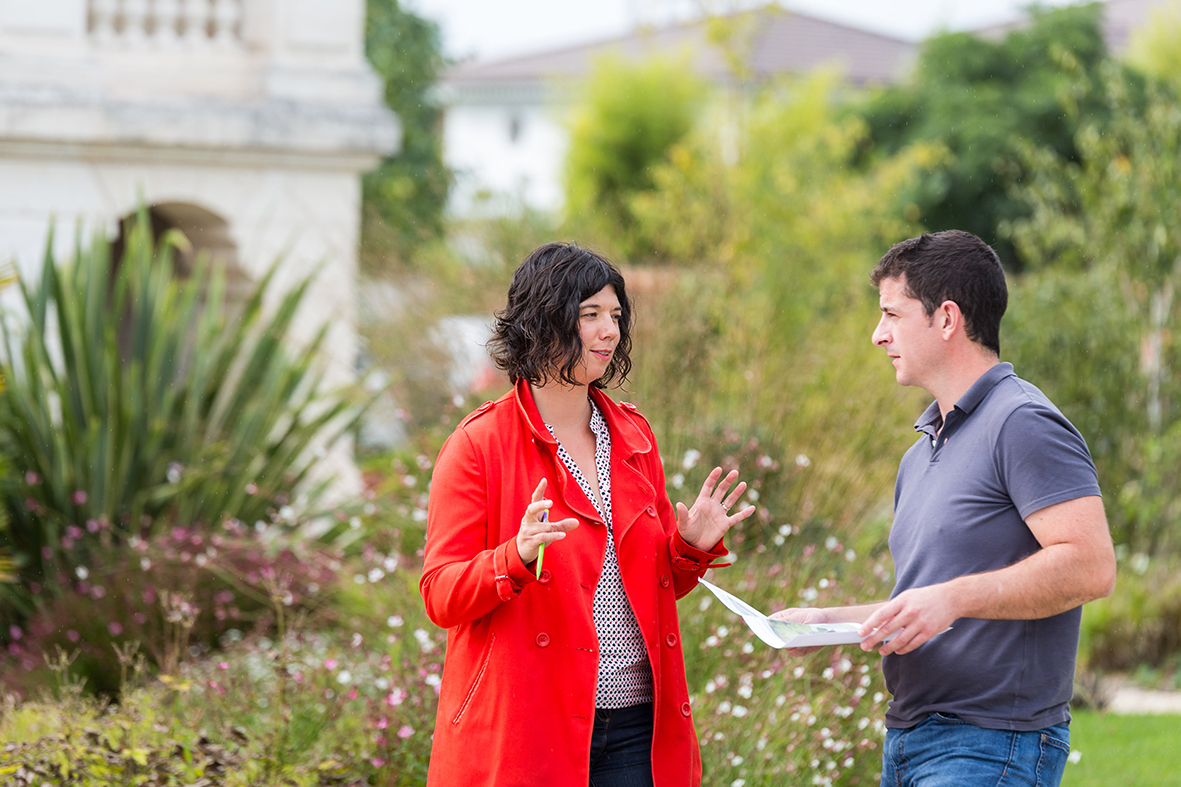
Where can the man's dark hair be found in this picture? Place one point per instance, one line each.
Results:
(952, 266)
(536, 335)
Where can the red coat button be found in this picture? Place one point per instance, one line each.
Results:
(651, 510)
(664, 580)
(543, 640)
(545, 576)
(685, 710)
(671, 640)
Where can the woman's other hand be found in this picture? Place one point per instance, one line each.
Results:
(534, 531)
(703, 525)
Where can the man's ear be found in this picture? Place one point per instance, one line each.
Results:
(950, 318)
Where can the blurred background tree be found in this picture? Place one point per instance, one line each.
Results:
(630, 117)
(981, 99)
(404, 198)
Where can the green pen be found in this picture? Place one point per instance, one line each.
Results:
(541, 549)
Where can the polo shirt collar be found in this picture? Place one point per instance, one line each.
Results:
(931, 419)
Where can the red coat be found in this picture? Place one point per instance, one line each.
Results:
(517, 702)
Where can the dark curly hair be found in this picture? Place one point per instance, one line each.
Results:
(536, 335)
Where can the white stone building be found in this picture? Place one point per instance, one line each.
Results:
(244, 123)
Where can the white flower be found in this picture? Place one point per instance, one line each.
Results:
(1075, 756)
(433, 680)
(394, 621)
(692, 456)
(738, 782)
(724, 707)
(344, 676)
(678, 480)
(736, 760)
(802, 460)
(830, 543)
(748, 647)
(744, 692)
(390, 563)
(723, 631)
(710, 687)
(798, 672)
(376, 574)
(705, 602)
(739, 711)
(82, 572)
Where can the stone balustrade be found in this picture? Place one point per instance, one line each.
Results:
(167, 24)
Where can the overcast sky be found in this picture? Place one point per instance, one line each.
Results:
(490, 29)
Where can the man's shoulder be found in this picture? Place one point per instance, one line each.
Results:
(1013, 394)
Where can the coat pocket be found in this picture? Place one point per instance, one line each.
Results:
(471, 692)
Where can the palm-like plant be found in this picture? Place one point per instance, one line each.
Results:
(137, 400)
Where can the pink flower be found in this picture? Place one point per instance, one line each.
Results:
(32, 479)
(222, 665)
(79, 497)
(377, 762)
(405, 731)
(15, 632)
(115, 628)
(382, 723)
(330, 664)
(251, 489)
(73, 636)
(353, 693)
(395, 698)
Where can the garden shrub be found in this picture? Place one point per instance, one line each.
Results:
(138, 402)
(1140, 623)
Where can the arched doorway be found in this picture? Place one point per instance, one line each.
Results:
(208, 234)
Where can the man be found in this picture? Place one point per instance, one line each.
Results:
(999, 537)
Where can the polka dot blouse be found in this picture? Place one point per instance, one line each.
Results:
(625, 676)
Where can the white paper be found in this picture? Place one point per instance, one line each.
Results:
(781, 633)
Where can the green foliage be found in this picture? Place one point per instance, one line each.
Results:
(324, 701)
(766, 331)
(1140, 623)
(1155, 48)
(137, 401)
(631, 116)
(403, 199)
(1111, 220)
(980, 99)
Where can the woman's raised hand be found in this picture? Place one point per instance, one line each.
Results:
(535, 531)
(704, 524)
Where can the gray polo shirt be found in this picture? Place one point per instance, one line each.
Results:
(960, 505)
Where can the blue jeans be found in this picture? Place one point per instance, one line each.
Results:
(621, 747)
(943, 750)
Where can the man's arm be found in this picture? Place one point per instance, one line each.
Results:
(1076, 564)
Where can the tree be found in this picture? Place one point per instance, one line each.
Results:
(980, 99)
(405, 196)
(632, 115)
(1113, 217)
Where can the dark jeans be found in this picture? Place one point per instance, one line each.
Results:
(621, 747)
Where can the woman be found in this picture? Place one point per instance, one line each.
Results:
(564, 667)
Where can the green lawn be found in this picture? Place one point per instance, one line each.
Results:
(1124, 751)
